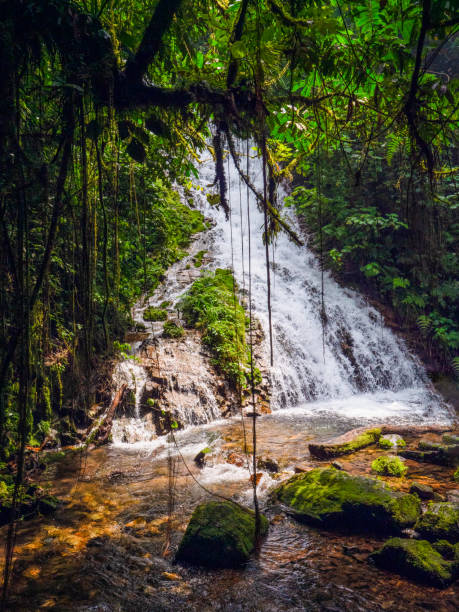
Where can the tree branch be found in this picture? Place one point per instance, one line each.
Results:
(152, 39)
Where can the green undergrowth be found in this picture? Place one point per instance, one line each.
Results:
(166, 234)
(155, 314)
(172, 330)
(212, 306)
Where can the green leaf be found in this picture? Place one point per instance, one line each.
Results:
(238, 49)
(199, 60)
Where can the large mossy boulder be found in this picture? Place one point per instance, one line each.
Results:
(416, 559)
(334, 499)
(220, 534)
(440, 522)
(346, 444)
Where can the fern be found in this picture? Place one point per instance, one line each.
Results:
(395, 143)
(424, 324)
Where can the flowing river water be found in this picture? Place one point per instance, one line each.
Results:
(111, 546)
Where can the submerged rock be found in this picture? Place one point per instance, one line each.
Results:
(220, 534)
(415, 559)
(422, 491)
(332, 498)
(440, 521)
(344, 445)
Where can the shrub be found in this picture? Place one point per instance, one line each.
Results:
(155, 314)
(172, 330)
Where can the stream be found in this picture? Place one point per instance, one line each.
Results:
(111, 546)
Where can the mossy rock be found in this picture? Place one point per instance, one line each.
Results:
(220, 534)
(450, 439)
(391, 441)
(446, 549)
(155, 314)
(440, 521)
(416, 559)
(389, 466)
(346, 444)
(456, 475)
(422, 491)
(332, 498)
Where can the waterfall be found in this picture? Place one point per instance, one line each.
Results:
(356, 367)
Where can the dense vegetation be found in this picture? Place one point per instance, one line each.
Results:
(212, 305)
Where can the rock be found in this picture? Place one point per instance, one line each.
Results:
(415, 559)
(267, 464)
(337, 465)
(236, 459)
(200, 458)
(440, 521)
(453, 496)
(391, 441)
(422, 491)
(331, 498)
(389, 466)
(432, 456)
(446, 549)
(258, 476)
(48, 504)
(348, 443)
(301, 469)
(220, 534)
(441, 454)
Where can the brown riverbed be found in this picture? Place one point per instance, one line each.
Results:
(110, 546)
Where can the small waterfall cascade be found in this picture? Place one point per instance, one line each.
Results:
(353, 367)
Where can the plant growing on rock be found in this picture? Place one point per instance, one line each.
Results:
(155, 314)
(172, 330)
(389, 466)
(211, 305)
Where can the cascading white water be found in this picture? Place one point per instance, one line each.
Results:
(358, 370)
(360, 362)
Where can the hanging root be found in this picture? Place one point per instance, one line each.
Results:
(220, 178)
(273, 212)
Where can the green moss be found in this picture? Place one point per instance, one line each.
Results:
(385, 443)
(415, 559)
(333, 498)
(155, 314)
(450, 439)
(426, 445)
(389, 466)
(211, 305)
(362, 440)
(446, 549)
(165, 304)
(440, 521)
(456, 475)
(172, 330)
(197, 259)
(220, 534)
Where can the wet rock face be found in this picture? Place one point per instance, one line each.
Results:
(344, 445)
(220, 534)
(334, 499)
(440, 521)
(416, 559)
